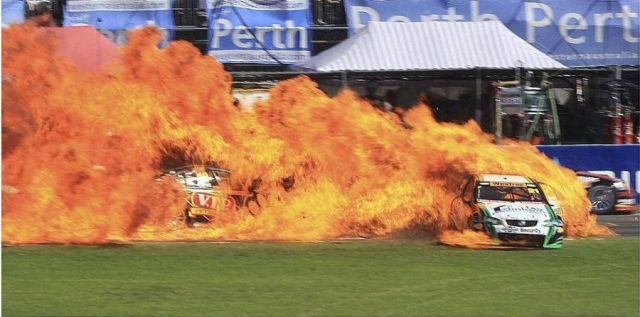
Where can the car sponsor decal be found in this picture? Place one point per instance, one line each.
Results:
(530, 230)
(199, 212)
(512, 229)
(507, 184)
(523, 208)
(202, 200)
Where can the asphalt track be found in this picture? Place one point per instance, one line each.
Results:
(624, 225)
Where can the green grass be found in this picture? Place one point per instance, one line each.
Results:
(370, 278)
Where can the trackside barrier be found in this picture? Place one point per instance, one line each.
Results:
(618, 160)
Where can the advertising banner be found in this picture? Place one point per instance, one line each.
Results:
(114, 18)
(574, 32)
(12, 11)
(259, 31)
(622, 161)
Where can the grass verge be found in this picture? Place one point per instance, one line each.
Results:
(369, 278)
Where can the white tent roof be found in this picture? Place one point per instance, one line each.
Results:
(398, 46)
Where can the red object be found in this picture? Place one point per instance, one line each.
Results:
(616, 129)
(627, 128)
(202, 200)
(84, 46)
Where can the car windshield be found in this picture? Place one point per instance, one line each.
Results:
(509, 193)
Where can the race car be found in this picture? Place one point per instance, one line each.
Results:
(208, 190)
(608, 194)
(513, 209)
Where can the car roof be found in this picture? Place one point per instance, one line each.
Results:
(504, 179)
(597, 175)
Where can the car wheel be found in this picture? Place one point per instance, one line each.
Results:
(603, 198)
(475, 222)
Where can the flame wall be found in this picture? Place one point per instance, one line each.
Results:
(81, 152)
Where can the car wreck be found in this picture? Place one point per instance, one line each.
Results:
(208, 190)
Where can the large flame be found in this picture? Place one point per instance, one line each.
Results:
(82, 151)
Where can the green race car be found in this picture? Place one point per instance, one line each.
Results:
(513, 209)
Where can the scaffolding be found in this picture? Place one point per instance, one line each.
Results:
(526, 112)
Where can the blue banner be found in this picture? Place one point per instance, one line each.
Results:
(259, 31)
(574, 32)
(622, 161)
(12, 11)
(114, 18)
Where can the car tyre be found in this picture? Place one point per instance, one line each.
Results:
(602, 198)
(475, 222)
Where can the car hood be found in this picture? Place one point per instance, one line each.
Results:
(516, 210)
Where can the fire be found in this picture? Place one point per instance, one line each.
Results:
(82, 152)
(466, 238)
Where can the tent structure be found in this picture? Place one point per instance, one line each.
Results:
(415, 46)
(84, 46)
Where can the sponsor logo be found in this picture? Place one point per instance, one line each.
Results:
(278, 36)
(526, 230)
(534, 15)
(507, 184)
(202, 200)
(526, 208)
(521, 230)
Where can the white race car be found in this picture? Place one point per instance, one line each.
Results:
(513, 209)
(608, 194)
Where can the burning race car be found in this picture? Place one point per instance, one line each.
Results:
(208, 191)
(608, 194)
(513, 209)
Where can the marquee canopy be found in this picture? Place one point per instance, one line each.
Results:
(411, 46)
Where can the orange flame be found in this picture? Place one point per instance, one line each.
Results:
(466, 238)
(82, 151)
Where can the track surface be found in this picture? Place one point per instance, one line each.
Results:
(624, 225)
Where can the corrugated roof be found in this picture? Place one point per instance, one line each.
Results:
(385, 46)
